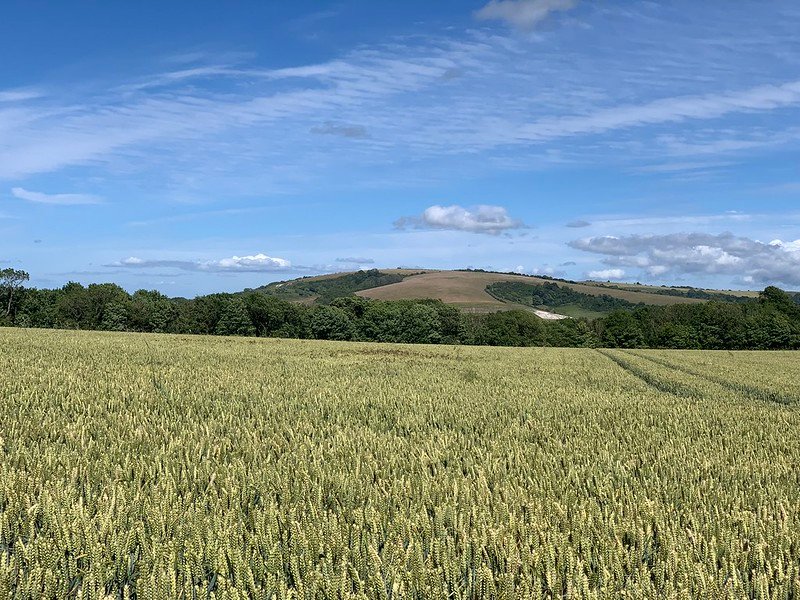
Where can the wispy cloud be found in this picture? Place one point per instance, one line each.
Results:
(61, 199)
(509, 93)
(666, 110)
(198, 215)
(356, 260)
(578, 223)
(480, 219)
(19, 95)
(522, 14)
(348, 131)
(674, 220)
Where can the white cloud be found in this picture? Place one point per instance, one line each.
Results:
(605, 274)
(750, 260)
(342, 130)
(62, 199)
(19, 95)
(480, 219)
(788, 246)
(681, 220)
(522, 14)
(356, 260)
(397, 99)
(665, 110)
(255, 263)
(579, 223)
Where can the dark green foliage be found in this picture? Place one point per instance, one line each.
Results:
(552, 295)
(621, 330)
(11, 281)
(234, 320)
(325, 291)
(770, 322)
(403, 321)
(151, 311)
(270, 315)
(682, 292)
(115, 317)
(331, 323)
(511, 328)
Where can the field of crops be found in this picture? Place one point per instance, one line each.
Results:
(145, 466)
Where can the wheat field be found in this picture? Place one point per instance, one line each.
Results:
(146, 466)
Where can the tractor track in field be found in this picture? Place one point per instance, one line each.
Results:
(666, 387)
(751, 392)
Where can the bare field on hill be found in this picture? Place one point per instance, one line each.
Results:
(469, 288)
(154, 466)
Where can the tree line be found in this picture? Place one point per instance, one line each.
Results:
(770, 322)
(552, 295)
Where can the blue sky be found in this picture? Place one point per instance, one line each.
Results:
(194, 147)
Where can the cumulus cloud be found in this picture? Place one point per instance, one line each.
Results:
(522, 14)
(356, 260)
(606, 274)
(348, 131)
(62, 199)
(480, 219)
(256, 263)
(750, 260)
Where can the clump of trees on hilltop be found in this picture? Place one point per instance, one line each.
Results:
(770, 322)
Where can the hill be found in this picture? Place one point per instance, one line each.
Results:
(322, 289)
(480, 291)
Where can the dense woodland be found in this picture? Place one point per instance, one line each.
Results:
(551, 295)
(770, 322)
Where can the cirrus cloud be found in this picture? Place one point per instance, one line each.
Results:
(62, 199)
(357, 260)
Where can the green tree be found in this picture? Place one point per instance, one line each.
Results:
(115, 317)
(331, 323)
(268, 314)
(99, 298)
(622, 330)
(512, 328)
(72, 306)
(235, 320)
(150, 311)
(11, 281)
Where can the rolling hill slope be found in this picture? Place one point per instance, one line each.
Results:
(468, 291)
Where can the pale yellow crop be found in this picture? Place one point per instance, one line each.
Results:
(145, 466)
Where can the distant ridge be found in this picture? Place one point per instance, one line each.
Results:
(477, 290)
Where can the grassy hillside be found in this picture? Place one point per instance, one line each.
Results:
(148, 466)
(477, 291)
(467, 289)
(557, 298)
(324, 288)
